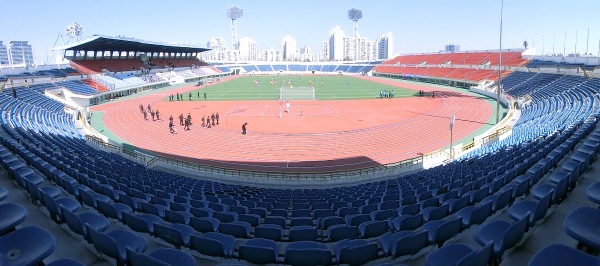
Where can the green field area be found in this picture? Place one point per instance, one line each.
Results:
(326, 88)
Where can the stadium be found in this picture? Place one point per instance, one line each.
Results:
(139, 153)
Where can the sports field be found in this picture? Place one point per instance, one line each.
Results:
(326, 88)
(346, 127)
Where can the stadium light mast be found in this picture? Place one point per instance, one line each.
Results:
(233, 13)
(499, 68)
(355, 15)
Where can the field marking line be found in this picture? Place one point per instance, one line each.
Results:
(369, 92)
(326, 109)
(232, 109)
(221, 95)
(338, 112)
(266, 107)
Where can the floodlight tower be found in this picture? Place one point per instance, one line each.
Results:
(233, 13)
(355, 15)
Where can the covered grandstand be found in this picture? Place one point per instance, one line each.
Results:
(107, 204)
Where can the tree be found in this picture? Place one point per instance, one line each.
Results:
(525, 44)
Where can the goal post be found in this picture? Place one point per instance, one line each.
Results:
(297, 93)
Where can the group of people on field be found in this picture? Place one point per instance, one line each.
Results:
(180, 96)
(186, 121)
(155, 114)
(386, 94)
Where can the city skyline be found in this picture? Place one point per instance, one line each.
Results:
(417, 26)
(350, 48)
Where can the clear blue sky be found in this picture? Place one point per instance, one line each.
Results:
(417, 26)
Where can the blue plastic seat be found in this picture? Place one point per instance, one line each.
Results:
(382, 215)
(26, 246)
(259, 251)
(90, 198)
(201, 212)
(303, 233)
(499, 200)
(160, 257)
(537, 210)
(459, 203)
(237, 229)
(77, 222)
(409, 244)
(180, 217)
(239, 209)
(3, 193)
(65, 262)
(593, 193)
(301, 213)
(307, 253)
(52, 204)
(435, 213)
(329, 221)
(11, 215)
(504, 235)
(132, 202)
(355, 252)
(213, 244)
(156, 209)
(252, 219)
(279, 213)
(113, 210)
(389, 240)
(560, 255)
(356, 219)
(343, 211)
(175, 234)
(457, 254)
(269, 231)
(298, 221)
(278, 220)
(204, 224)
(341, 231)
(141, 222)
(225, 217)
(370, 229)
(583, 225)
(406, 222)
(262, 212)
(441, 230)
(115, 243)
(473, 215)
(318, 213)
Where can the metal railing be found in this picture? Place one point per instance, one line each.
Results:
(205, 168)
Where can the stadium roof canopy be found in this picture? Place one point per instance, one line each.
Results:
(106, 43)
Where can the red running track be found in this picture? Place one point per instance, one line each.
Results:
(316, 136)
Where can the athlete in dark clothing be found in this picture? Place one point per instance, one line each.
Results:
(171, 127)
(244, 128)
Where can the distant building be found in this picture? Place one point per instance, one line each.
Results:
(218, 50)
(325, 52)
(21, 53)
(341, 47)
(290, 52)
(452, 48)
(3, 54)
(306, 54)
(272, 55)
(385, 46)
(336, 44)
(367, 50)
(248, 49)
